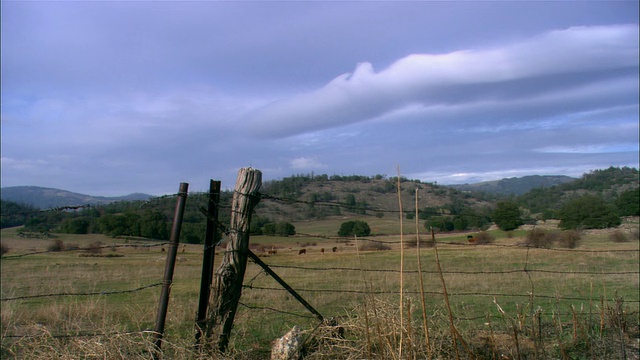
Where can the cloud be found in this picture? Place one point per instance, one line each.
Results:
(575, 64)
(303, 163)
(591, 149)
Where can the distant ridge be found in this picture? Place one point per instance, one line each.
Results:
(515, 186)
(46, 198)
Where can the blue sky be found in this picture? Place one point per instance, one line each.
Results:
(115, 97)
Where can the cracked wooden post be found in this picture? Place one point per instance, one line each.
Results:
(230, 273)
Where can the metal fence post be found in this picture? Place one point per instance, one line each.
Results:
(210, 241)
(170, 265)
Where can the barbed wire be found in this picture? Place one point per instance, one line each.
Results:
(98, 248)
(460, 272)
(105, 293)
(398, 242)
(81, 334)
(255, 307)
(54, 209)
(392, 292)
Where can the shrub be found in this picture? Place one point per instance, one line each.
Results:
(539, 238)
(484, 237)
(618, 236)
(373, 245)
(57, 245)
(3, 249)
(72, 246)
(94, 248)
(569, 239)
(423, 243)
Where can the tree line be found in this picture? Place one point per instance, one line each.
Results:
(594, 201)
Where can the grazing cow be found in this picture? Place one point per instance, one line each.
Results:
(471, 239)
(273, 251)
(302, 252)
(335, 248)
(322, 251)
(163, 250)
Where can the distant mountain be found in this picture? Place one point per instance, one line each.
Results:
(515, 186)
(46, 198)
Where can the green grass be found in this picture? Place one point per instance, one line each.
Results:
(341, 289)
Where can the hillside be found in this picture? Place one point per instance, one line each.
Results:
(309, 198)
(608, 184)
(304, 197)
(46, 198)
(516, 186)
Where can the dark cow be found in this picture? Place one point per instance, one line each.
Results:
(302, 252)
(335, 248)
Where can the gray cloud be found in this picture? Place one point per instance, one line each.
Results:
(114, 97)
(561, 64)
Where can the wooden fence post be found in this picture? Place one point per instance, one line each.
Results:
(170, 265)
(230, 273)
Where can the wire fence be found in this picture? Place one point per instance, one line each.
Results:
(297, 274)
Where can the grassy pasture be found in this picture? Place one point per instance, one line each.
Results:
(358, 288)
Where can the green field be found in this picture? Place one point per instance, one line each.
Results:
(61, 304)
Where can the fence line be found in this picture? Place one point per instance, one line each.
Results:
(82, 334)
(433, 315)
(392, 292)
(55, 209)
(106, 293)
(484, 272)
(250, 285)
(9, 257)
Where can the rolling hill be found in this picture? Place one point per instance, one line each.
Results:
(516, 186)
(46, 198)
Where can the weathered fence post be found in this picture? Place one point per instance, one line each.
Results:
(170, 265)
(230, 273)
(210, 241)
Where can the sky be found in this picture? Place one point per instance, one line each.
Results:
(115, 97)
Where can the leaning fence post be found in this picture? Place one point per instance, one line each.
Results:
(170, 265)
(230, 273)
(210, 241)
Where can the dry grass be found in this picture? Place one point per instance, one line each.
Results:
(361, 292)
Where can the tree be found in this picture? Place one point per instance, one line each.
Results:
(439, 223)
(14, 214)
(354, 228)
(79, 225)
(285, 229)
(507, 215)
(193, 233)
(351, 202)
(628, 203)
(589, 212)
(154, 225)
(281, 228)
